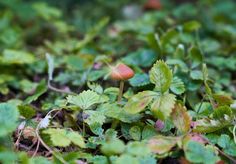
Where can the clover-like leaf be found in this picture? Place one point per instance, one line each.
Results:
(138, 102)
(85, 99)
(63, 137)
(161, 76)
(163, 105)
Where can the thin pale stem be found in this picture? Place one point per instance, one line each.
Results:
(121, 91)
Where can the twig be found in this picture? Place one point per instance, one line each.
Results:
(58, 90)
(40, 140)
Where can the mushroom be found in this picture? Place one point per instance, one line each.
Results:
(121, 72)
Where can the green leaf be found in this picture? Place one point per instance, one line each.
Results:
(116, 112)
(40, 89)
(142, 57)
(181, 119)
(191, 26)
(161, 76)
(138, 102)
(135, 132)
(138, 149)
(139, 79)
(198, 153)
(223, 99)
(162, 144)
(63, 138)
(8, 118)
(148, 132)
(177, 86)
(168, 37)
(26, 111)
(113, 147)
(195, 56)
(85, 99)
(163, 105)
(196, 75)
(126, 158)
(16, 57)
(221, 111)
(227, 144)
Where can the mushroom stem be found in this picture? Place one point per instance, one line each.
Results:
(121, 91)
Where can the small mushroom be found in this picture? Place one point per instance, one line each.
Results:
(121, 72)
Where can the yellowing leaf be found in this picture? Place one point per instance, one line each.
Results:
(161, 76)
(63, 138)
(162, 144)
(163, 106)
(138, 102)
(180, 118)
(85, 99)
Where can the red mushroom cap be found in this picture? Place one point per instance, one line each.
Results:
(121, 72)
(152, 5)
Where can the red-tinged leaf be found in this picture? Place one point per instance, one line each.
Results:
(162, 144)
(181, 119)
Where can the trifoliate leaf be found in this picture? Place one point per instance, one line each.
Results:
(196, 152)
(138, 102)
(63, 138)
(161, 76)
(162, 144)
(181, 119)
(8, 118)
(163, 105)
(85, 99)
(177, 86)
(40, 89)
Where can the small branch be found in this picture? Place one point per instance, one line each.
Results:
(58, 90)
(40, 140)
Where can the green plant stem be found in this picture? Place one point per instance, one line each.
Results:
(120, 91)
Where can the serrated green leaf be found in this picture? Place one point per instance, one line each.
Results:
(161, 76)
(8, 118)
(85, 99)
(181, 119)
(221, 111)
(16, 57)
(138, 102)
(162, 144)
(40, 89)
(63, 138)
(191, 26)
(198, 153)
(26, 111)
(135, 132)
(139, 79)
(177, 86)
(195, 56)
(113, 147)
(163, 105)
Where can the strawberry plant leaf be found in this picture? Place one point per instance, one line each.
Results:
(161, 76)
(85, 99)
(63, 138)
(8, 118)
(177, 86)
(162, 106)
(181, 119)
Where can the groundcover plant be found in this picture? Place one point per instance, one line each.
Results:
(102, 82)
